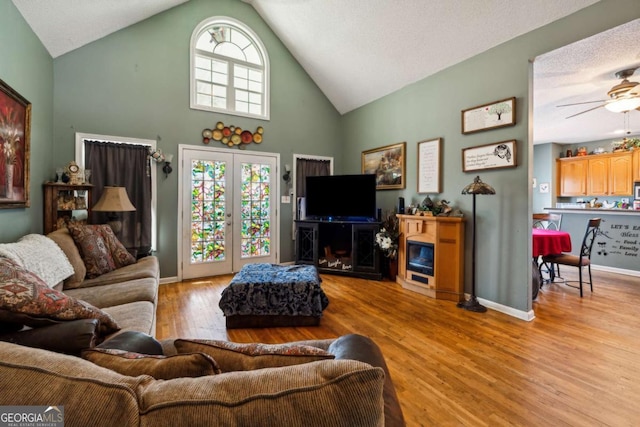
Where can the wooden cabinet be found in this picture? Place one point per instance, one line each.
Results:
(636, 164)
(596, 175)
(443, 240)
(572, 177)
(339, 247)
(65, 202)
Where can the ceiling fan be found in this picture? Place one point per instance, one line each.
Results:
(623, 97)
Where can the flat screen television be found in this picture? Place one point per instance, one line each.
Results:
(341, 197)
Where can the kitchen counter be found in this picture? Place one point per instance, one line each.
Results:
(617, 245)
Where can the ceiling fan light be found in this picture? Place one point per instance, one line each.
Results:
(623, 105)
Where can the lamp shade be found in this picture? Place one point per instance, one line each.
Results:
(114, 199)
(623, 104)
(478, 187)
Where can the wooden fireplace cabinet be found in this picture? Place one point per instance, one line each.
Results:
(447, 236)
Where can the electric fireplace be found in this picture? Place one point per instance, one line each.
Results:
(420, 257)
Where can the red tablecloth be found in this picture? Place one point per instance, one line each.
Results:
(550, 242)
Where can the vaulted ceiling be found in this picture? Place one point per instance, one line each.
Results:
(358, 51)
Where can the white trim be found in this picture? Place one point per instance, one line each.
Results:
(616, 270)
(519, 314)
(266, 67)
(80, 137)
(275, 224)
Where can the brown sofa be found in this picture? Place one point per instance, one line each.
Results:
(352, 389)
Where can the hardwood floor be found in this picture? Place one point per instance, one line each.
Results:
(576, 364)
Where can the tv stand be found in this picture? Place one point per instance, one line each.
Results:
(339, 247)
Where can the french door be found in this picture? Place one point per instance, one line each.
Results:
(228, 208)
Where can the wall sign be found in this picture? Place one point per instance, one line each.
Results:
(429, 166)
(490, 156)
(489, 116)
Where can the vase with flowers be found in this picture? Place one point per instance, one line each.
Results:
(387, 241)
(10, 147)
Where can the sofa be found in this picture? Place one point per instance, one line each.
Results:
(127, 378)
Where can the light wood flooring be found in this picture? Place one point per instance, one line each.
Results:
(576, 364)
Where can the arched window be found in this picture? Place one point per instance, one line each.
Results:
(229, 69)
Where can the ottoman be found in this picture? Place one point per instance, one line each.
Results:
(271, 295)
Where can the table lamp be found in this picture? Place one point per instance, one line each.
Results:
(476, 187)
(113, 201)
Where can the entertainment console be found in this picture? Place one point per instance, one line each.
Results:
(339, 247)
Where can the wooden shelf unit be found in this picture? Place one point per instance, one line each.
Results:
(447, 236)
(63, 201)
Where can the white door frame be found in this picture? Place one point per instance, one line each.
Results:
(275, 224)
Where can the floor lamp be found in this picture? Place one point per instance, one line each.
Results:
(476, 187)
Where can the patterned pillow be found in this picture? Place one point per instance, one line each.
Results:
(26, 299)
(159, 367)
(119, 253)
(244, 357)
(93, 249)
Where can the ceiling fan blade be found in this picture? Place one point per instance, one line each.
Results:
(580, 103)
(586, 111)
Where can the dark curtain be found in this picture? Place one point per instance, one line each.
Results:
(123, 165)
(309, 167)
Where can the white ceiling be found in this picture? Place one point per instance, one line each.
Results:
(358, 51)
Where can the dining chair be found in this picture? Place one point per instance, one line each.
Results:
(547, 221)
(582, 260)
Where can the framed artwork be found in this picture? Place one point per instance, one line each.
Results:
(636, 190)
(15, 130)
(489, 156)
(489, 116)
(387, 164)
(429, 166)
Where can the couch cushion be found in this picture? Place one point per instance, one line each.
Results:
(146, 267)
(324, 393)
(93, 248)
(64, 240)
(90, 394)
(135, 316)
(118, 293)
(243, 357)
(159, 367)
(26, 299)
(67, 337)
(41, 256)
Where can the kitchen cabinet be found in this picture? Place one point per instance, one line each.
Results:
(596, 175)
(572, 177)
(636, 164)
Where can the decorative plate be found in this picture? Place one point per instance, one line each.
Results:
(247, 137)
(217, 135)
(235, 138)
(206, 133)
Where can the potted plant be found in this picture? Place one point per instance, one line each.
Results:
(387, 240)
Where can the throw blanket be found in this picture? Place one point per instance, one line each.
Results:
(270, 289)
(39, 255)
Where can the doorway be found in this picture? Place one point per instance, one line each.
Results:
(228, 204)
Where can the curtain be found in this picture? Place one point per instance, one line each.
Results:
(309, 167)
(123, 165)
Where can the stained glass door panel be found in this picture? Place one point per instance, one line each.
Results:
(256, 207)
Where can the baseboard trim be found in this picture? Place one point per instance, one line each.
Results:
(165, 280)
(626, 272)
(519, 314)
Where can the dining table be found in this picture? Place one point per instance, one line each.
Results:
(546, 242)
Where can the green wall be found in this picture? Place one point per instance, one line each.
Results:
(27, 67)
(431, 108)
(135, 83)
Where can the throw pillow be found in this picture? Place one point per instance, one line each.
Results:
(67, 337)
(244, 357)
(120, 254)
(26, 299)
(41, 256)
(63, 239)
(93, 249)
(159, 367)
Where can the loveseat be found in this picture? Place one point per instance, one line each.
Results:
(121, 379)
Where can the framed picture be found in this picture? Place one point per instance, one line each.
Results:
(387, 163)
(636, 190)
(489, 116)
(490, 156)
(429, 166)
(15, 129)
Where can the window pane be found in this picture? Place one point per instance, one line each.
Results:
(255, 109)
(242, 95)
(230, 50)
(202, 99)
(219, 102)
(240, 83)
(204, 42)
(203, 87)
(255, 87)
(202, 62)
(219, 78)
(252, 55)
(255, 75)
(219, 66)
(255, 98)
(220, 91)
(203, 75)
(239, 71)
(239, 39)
(242, 107)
